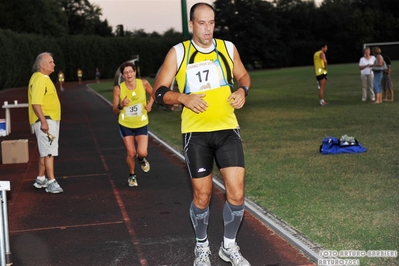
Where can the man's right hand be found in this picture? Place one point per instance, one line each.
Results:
(44, 126)
(194, 102)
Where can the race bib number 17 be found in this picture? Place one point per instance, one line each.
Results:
(202, 76)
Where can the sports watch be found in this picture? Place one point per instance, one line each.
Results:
(246, 89)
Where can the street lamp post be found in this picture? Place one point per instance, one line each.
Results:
(184, 18)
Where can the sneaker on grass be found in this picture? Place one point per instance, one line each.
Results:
(322, 103)
(40, 183)
(53, 187)
(132, 181)
(233, 255)
(145, 165)
(202, 253)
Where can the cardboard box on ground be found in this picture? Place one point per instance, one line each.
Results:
(15, 151)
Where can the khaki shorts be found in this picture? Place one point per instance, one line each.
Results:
(47, 147)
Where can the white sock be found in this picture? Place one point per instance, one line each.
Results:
(51, 181)
(228, 241)
(202, 243)
(41, 178)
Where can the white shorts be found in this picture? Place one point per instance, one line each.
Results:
(47, 147)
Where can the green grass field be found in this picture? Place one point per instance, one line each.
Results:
(342, 202)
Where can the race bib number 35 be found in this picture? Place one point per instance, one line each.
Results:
(134, 110)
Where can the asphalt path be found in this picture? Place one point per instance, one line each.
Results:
(99, 219)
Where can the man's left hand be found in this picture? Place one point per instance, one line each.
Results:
(237, 99)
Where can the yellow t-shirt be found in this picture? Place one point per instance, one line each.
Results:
(41, 90)
(211, 73)
(134, 115)
(61, 77)
(319, 66)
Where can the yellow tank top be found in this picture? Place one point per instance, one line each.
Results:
(209, 73)
(319, 66)
(134, 115)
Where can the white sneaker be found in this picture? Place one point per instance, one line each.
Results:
(132, 181)
(233, 255)
(202, 253)
(40, 183)
(145, 165)
(53, 187)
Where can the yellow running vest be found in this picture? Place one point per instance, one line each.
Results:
(134, 115)
(210, 74)
(319, 67)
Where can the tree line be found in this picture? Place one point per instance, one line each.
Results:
(268, 34)
(282, 33)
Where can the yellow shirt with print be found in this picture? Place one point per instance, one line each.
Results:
(134, 115)
(41, 90)
(219, 114)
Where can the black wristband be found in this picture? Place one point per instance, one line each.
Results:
(160, 93)
(120, 107)
(246, 89)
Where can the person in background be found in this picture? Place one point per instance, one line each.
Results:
(378, 67)
(45, 116)
(386, 82)
(79, 73)
(61, 78)
(366, 74)
(205, 69)
(98, 74)
(320, 67)
(131, 105)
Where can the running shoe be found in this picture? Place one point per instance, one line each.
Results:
(40, 183)
(233, 255)
(202, 253)
(132, 181)
(145, 165)
(54, 187)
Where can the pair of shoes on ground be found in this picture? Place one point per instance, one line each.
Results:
(231, 254)
(50, 187)
(145, 166)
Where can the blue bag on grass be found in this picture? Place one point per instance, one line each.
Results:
(332, 145)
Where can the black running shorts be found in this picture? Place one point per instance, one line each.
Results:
(320, 77)
(202, 148)
(126, 131)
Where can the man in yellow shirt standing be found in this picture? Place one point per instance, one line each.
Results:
(320, 67)
(45, 115)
